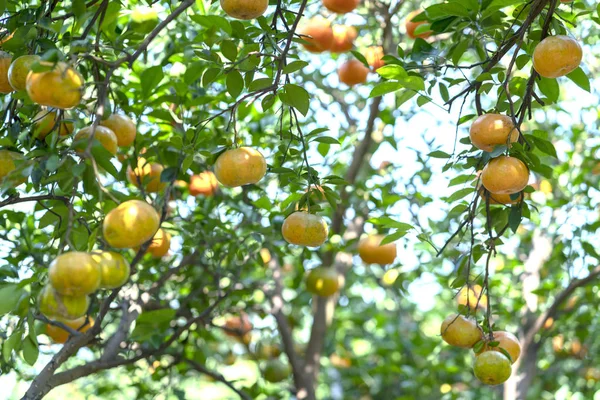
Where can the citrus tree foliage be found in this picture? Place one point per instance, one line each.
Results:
(197, 82)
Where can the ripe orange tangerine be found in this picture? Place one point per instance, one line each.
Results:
(557, 56)
(59, 335)
(5, 61)
(506, 341)
(19, 69)
(371, 251)
(374, 56)
(74, 274)
(105, 136)
(46, 121)
(460, 331)
(161, 244)
(489, 130)
(341, 6)
(148, 174)
(505, 175)
(492, 368)
(244, 9)
(305, 229)
(203, 184)
(60, 87)
(504, 199)
(53, 305)
(412, 26)
(123, 128)
(353, 72)
(130, 225)
(318, 33)
(343, 38)
(241, 166)
(472, 297)
(8, 168)
(323, 281)
(114, 269)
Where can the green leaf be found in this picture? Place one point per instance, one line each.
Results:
(78, 7)
(514, 219)
(30, 351)
(580, 79)
(235, 83)
(439, 154)
(392, 72)
(10, 294)
(295, 96)
(229, 49)
(326, 139)
(150, 79)
(549, 88)
(459, 194)
(545, 146)
(12, 343)
(294, 66)
(193, 72)
(392, 237)
(360, 57)
(103, 158)
(168, 174)
(260, 84)
(385, 87)
(459, 50)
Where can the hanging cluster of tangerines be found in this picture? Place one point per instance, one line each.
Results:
(320, 36)
(503, 180)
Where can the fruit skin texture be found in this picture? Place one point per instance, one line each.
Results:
(374, 55)
(371, 251)
(123, 128)
(305, 229)
(323, 281)
(7, 165)
(105, 136)
(505, 175)
(411, 26)
(5, 61)
(499, 198)
(205, 184)
(471, 297)
(114, 269)
(276, 371)
(52, 304)
(241, 166)
(556, 56)
(341, 6)
(74, 274)
(244, 9)
(60, 87)
(343, 38)
(160, 245)
(59, 335)
(489, 130)
(318, 33)
(131, 224)
(492, 368)
(19, 69)
(353, 72)
(506, 341)
(460, 331)
(148, 174)
(44, 121)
